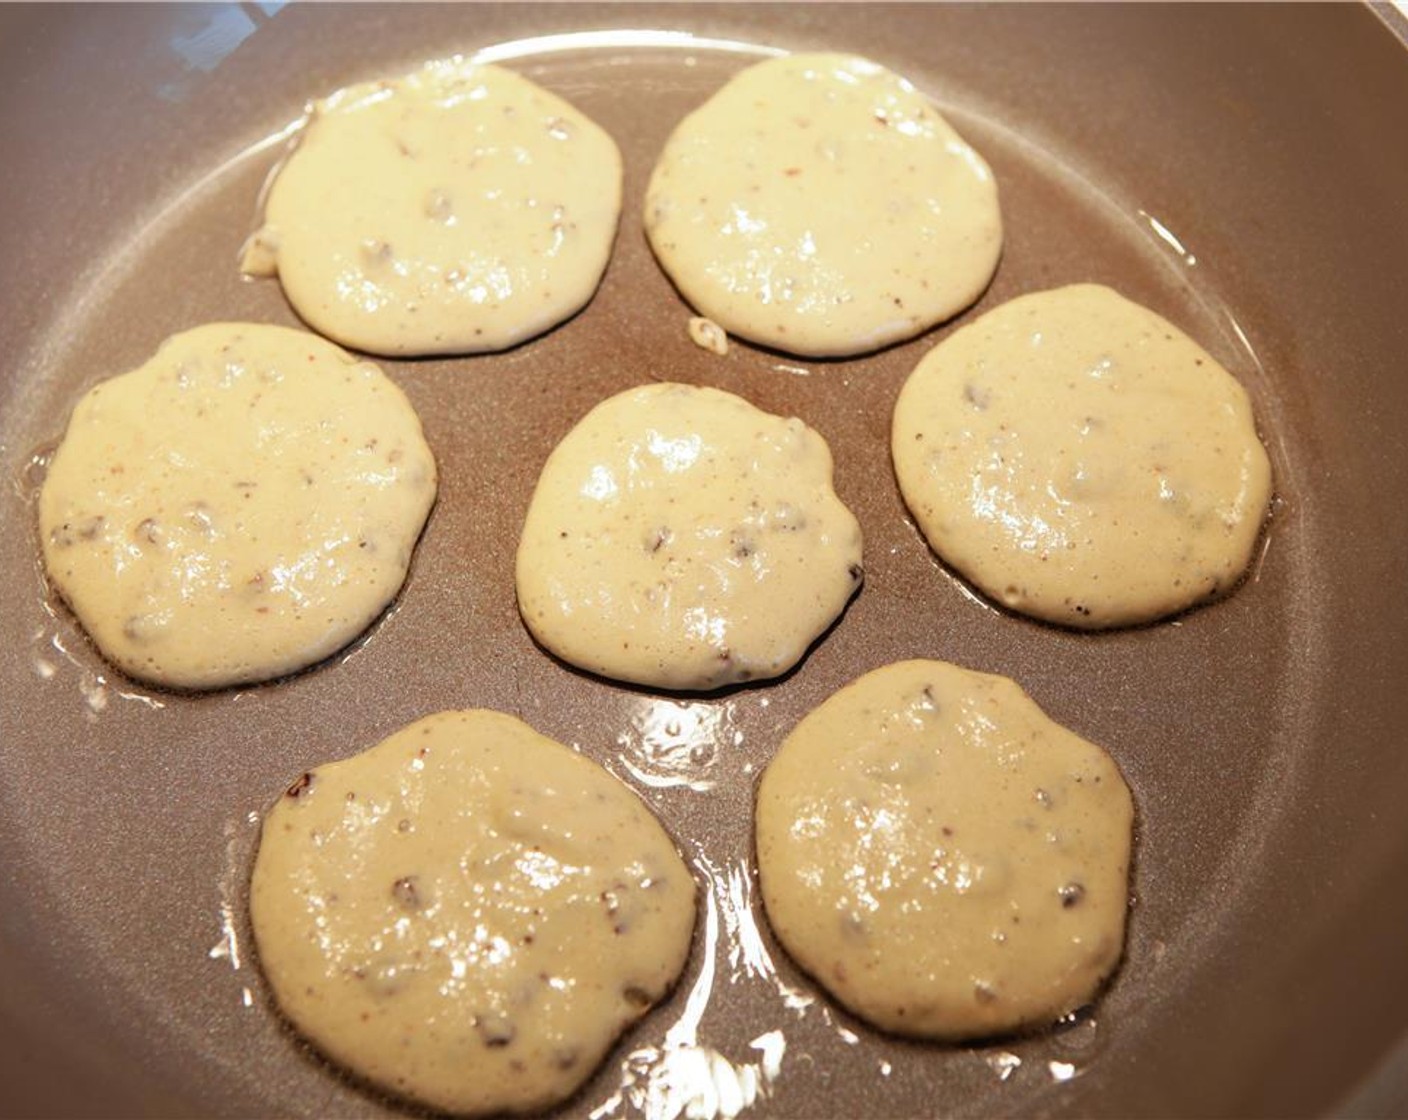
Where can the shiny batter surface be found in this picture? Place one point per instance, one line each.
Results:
(242, 505)
(821, 205)
(1082, 460)
(942, 857)
(459, 209)
(469, 913)
(681, 538)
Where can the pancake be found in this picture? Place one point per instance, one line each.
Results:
(819, 204)
(459, 209)
(468, 914)
(1082, 460)
(681, 538)
(239, 507)
(942, 857)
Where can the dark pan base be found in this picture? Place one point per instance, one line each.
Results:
(1241, 170)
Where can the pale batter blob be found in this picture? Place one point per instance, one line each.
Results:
(819, 204)
(459, 209)
(1082, 460)
(942, 857)
(239, 507)
(469, 913)
(681, 538)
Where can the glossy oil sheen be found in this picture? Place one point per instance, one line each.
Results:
(1264, 971)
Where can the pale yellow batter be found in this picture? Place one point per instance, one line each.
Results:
(459, 209)
(942, 857)
(239, 507)
(681, 538)
(468, 913)
(1082, 460)
(820, 205)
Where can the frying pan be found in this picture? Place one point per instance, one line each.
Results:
(1242, 170)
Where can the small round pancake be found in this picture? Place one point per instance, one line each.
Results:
(681, 538)
(239, 507)
(1082, 460)
(943, 858)
(469, 913)
(820, 205)
(459, 209)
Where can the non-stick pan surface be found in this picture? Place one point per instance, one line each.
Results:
(1243, 170)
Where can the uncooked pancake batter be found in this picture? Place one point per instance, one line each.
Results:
(459, 209)
(821, 205)
(469, 913)
(942, 857)
(1082, 460)
(681, 538)
(241, 506)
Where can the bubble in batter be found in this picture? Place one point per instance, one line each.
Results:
(942, 857)
(459, 209)
(468, 914)
(819, 204)
(1082, 460)
(681, 538)
(239, 507)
